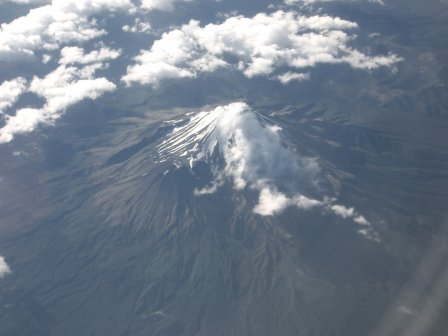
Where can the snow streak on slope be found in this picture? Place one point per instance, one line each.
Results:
(248, 149)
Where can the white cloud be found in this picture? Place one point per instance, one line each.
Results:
(162, 5)
(370, 234)
(342, 211)
(261, 45)
(10, 92)
(272, 202)
(350, 213)
(4, 268)
(288, 77)
(24, 121)
(60, 23)
(139, 26)
(63, 87)
(68, 85)
(76, 55)
(361, 220)
(173, 56)
(46, 58)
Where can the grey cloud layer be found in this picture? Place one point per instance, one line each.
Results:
(262, 45)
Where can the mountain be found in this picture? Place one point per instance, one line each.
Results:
(177, 168)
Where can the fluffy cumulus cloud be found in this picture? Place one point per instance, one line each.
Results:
(71, 82)
(258, 46)
(51, 26)
(10, 92)
(68, 85)
(4, 268)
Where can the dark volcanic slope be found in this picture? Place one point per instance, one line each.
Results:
(128, 250)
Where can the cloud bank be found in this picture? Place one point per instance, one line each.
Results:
(257, 46)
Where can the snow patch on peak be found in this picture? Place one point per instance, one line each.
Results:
(251, 146)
